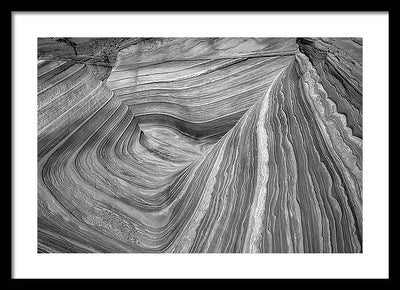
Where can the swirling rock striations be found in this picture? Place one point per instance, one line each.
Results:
(221, 145)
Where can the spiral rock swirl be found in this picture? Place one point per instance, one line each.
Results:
(200, 145)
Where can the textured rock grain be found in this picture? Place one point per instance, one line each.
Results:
(222, 145)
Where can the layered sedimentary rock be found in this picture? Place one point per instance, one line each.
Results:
(200, 145)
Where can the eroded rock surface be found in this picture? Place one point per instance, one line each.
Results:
(200, 145)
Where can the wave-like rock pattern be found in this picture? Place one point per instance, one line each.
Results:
(202, 145)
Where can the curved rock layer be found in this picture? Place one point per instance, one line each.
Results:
(226, 145)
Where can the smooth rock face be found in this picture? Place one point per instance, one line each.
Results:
(221, 145)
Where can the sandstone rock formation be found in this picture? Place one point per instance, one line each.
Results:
(197, 145)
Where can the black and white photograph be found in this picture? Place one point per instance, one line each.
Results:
(200, 145)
